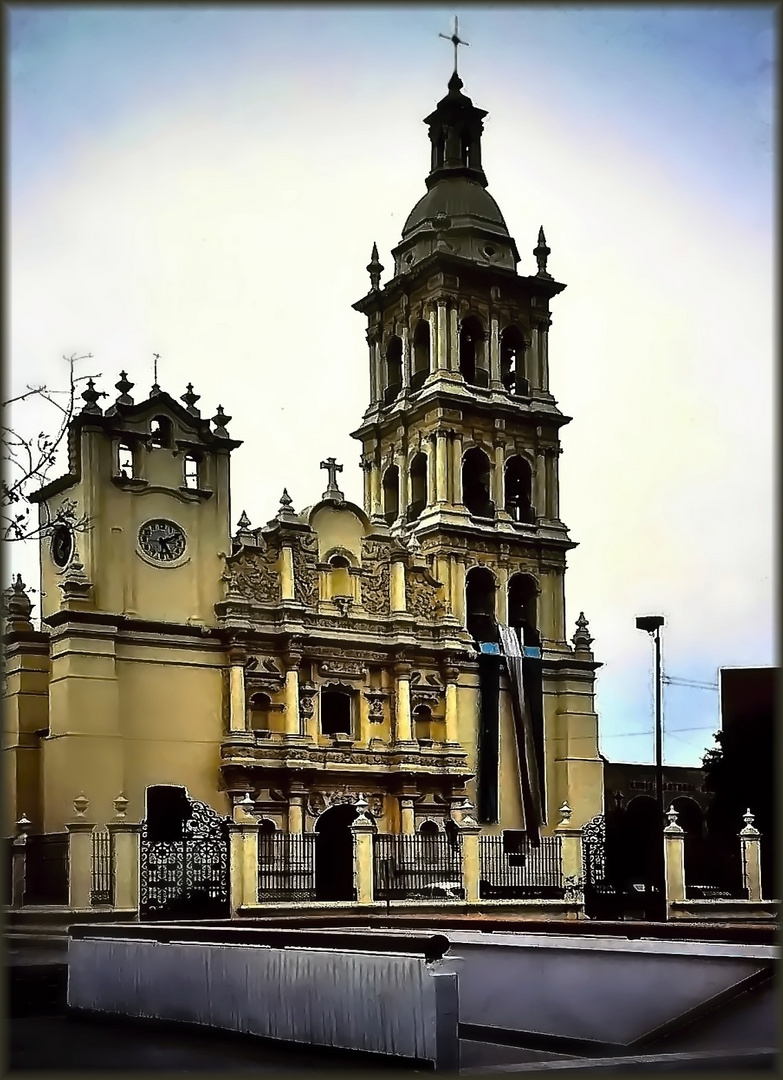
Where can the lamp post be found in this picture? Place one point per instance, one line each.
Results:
(652, 624)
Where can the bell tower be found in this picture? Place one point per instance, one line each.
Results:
(460, 441)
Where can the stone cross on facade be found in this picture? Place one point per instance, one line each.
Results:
(332, 490)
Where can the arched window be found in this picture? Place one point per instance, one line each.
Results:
(260, 708)
(517, 487)
(422, 721)
(418, 479)
(160, 431)
(393, 369)
(476, 483)
(335, 712)
(522, 608)
(190, 467)
(512, 361)
(125, 461)
(421, 354)
(391, 494)
(430, 834)
(480, 604)
(340, 578)
(472, 360)
(267, 846)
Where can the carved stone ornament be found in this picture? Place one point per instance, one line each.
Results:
(375, 699)
(307, 701)
(574, 889)
(351, 669)
(252, 574)
(305, 556)
(375, 577)
(424, 596)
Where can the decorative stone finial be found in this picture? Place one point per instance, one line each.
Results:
(246, 802)
(374, 269)
(671, 816)
(286, 509)
(542, 252)
(23, 825)
(220, 420)
(465, 808)
(244, 522)
(90, 397)
(581, 639)
(750, 829)
(190, 400)
(124, 386)
(81, 804)
(332, 490)
(565, 814)
(362, 807)
(18, 605)
(120, 806)
(414, 544)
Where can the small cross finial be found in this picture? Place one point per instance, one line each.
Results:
(374, 269)
(455, 40)
(155, 387)
(332, 490)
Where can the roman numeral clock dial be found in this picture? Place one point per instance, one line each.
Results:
(162, 541)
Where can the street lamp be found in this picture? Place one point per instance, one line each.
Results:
(652, 624)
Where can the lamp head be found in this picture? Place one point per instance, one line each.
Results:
(650, 623)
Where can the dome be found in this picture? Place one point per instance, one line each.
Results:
(456, 197)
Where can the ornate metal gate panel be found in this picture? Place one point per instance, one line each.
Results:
(187, 878)
(600, 894)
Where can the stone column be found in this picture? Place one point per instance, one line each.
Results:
(366, 467)
(441, 472)
(555, 482)
(402, 472)
(19, 861)
(750, 839)
(79, 857)
(372, 343)
(406, 359)
(469, 833)
(237, 711)
(532, 368)
(450, 677)
(397, 585)
(543, 355)
(432, 320)
(453, 337)
(243, 849)
(494, 355)
(125, 838)
(407, 815)
(442, 351)
(549, 499)
(375, 489)
(571, 857)
(456, 470)
(432, 469)
(363, 830)
(458, 586)
(296, 801)
(287, 573)
(501, 602)
(497, 477)
(292, 719)
(539, 484)
(403, 727)
(673, 860)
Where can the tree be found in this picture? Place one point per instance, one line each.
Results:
(29, 459)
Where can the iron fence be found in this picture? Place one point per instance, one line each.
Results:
(417, 867)
(286, 867)
(102, 868)
(46, 869)
(716, 870)
(523, 872)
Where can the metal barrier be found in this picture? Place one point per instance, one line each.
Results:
(46, 869)
(523, 872)
(717, 872)
(102, 868)
(286, 867)
(417, 867)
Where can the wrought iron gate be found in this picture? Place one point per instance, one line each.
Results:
(601, 901)
(186, 876)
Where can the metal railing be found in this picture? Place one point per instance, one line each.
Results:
(286, 867)
(527, 873)
(714, 870)
(46, 869)
(102, 868)
(417, 867)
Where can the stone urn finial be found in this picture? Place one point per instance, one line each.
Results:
(565, 814)
(120, 806)
(23, 825)
(362, 807)
(671, 816)
(81, 804)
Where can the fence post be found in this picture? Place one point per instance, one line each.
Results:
(571, 857)
(673, 860)
(125, 848)
(19, 861)
(80, 855)
(243, 854)
(469, 833)
(751, 857)
(363, 829)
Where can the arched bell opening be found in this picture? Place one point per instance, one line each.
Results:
(421, 354)
(393, 369)
(522, 609)
(480, 589)
(476, 483)
(512, 362)
(418, 485)
(391, 494)
(517, 486)
(472, 352)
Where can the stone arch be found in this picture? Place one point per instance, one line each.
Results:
(476, 483)
(422, 722)
(421, 357)
(472, 351)
(391, 494)
(480, 603)
(161, 432)
(518, 489)
(393, 369)
(259, 708)
(512, 360)
(523, 590)
(417, 473)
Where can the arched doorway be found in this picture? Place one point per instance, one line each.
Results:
(334, 854)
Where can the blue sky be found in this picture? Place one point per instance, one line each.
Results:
(207, 183)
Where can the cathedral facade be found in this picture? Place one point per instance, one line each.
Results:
(335, 652)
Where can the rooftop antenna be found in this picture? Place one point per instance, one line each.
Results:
(456, 41)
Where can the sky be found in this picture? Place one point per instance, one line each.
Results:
(206, 183)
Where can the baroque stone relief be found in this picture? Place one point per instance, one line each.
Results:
(424, 596)
(252, 573)
(305, 556)
(375, 577)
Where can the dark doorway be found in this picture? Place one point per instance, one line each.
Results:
(335, 712)
(334, 854)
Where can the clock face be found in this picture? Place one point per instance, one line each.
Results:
(61, 546)
(163, 541)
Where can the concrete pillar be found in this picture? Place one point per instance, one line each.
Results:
(125, 837)
(407, 815)
(494, 355)
(403, 726)
(287, 573)
(397, 585)
(497, 476)
(441, 471)
(469, 832)
(79, 862)
(363, 830)
(456, 469)
(673, 859)
(750, 839)
(237, 711)
(451, 675)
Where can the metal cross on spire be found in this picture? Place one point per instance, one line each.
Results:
(155, 387)
(456, 41)
(332, 468)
